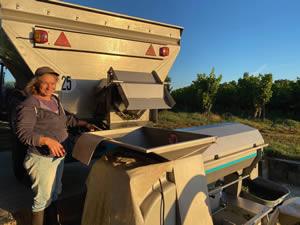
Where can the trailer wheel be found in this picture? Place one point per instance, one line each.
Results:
(18, 156)
(18, 150)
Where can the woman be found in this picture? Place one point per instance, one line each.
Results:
(41, 125)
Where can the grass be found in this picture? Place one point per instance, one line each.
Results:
(283, 135)
(171, 120)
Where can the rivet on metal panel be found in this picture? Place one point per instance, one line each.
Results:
(48, 12)
(17, 6)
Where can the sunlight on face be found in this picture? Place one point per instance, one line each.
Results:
(47, 85)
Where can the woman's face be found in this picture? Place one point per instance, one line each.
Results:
(47, 85)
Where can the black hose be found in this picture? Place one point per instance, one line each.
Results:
(162, 205)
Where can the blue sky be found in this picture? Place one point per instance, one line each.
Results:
(234, 36)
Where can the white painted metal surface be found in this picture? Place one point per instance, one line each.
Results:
(98, 40)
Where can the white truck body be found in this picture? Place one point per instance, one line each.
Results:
(83, 44)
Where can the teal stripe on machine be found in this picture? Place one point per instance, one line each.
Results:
(230, 163)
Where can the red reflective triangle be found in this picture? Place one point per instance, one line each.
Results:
(62, 40)
(150, 51)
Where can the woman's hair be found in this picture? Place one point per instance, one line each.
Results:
(34, 85)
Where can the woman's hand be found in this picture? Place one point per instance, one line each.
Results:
(90, 127)
(54, 146)
(87, 125)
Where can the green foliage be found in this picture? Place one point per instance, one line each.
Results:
(9, 84)
(264, 93)
(255, 91)
(285, 101)
(200, 95)
(185, 99)
(246, 91)
(227, 97)
(296, 96)
(168, 80)
(206, 88)
(248, 97)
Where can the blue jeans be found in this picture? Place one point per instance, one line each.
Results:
(45, 174)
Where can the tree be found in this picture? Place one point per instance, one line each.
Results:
(227, 97)
(184, 98)
(264, 93)
(168, 80)
(9, 84)
(206, 88)
(246, 92)
(255, 92)
(296, 98)
(282, 97)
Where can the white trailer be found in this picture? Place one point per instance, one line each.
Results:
(95, 52)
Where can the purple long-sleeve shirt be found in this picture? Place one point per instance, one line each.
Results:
(35, 121)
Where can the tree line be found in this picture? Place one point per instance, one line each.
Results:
(251, 96)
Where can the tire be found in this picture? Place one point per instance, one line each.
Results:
(18, 156)
(18, 150)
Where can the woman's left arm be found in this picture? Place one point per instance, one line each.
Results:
(72, 121)
(85, 124)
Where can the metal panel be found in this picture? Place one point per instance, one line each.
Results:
(236, 148)
(135, 77)
(232, 138)
(99, 40)
(76, 19)
(144, 139)
(98, 44)
(144, 96)
(141, 90)
(59, 2)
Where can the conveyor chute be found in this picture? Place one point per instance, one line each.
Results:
(141, 90)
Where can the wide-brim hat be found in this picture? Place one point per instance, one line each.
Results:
(45, 70)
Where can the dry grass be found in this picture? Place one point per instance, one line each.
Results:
(171, 120)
